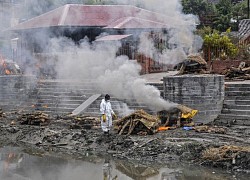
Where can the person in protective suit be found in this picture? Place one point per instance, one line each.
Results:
(106, 114)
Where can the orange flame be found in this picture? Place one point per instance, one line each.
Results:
(7, 72)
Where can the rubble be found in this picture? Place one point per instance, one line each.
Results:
(139, 122)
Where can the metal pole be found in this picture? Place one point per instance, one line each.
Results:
(248, 9)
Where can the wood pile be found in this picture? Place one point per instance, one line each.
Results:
(36, 118)
(84, 122)
(193, 64)
(224, 153)
(139, 122)
(240, 73)
(210, 129)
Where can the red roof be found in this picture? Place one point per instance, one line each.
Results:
(112, 16)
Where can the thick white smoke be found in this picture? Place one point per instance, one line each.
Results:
(117, 76)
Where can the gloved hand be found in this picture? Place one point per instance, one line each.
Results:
(104, 118)
(114, 116)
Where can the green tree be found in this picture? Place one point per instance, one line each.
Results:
(216, 44)
(201, 8)
(224, 15)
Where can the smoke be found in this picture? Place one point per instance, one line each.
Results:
(120, 76)
(117, 76)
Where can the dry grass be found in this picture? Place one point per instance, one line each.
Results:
(223, 152)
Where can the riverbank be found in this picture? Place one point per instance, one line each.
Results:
(229, 151)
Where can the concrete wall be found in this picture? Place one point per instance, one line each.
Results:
(15, 90)
(202, 92)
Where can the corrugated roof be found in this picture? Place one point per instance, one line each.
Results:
(96, 15)
(113, 37)
(244, 29)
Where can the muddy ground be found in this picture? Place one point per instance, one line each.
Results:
(176, 145)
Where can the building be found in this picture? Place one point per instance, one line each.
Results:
(123, 23)
(244, 31)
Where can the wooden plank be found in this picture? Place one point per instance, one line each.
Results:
(85, 104)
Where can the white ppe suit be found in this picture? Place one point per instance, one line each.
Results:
(105, 108)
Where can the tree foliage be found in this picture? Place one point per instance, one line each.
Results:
(219, 44)
(226, 13)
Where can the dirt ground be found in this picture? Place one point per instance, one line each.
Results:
(229, 150)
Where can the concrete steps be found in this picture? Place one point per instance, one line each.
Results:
(236, 106)
(59, 97)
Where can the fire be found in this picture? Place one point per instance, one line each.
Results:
(7, 72)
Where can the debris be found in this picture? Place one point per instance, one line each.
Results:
(138, 122)
(242, 72)
(36, 118)
(224, 153)
(210, 129)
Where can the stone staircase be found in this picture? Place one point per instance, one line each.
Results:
(61, 97)
(236, 107)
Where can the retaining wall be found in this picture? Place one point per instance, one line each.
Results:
(15, 90)
(202, 92)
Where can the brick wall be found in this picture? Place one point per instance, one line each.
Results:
(220, 65)
(202, 92)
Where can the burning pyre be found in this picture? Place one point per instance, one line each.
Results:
(139, 122)
(8, 67)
